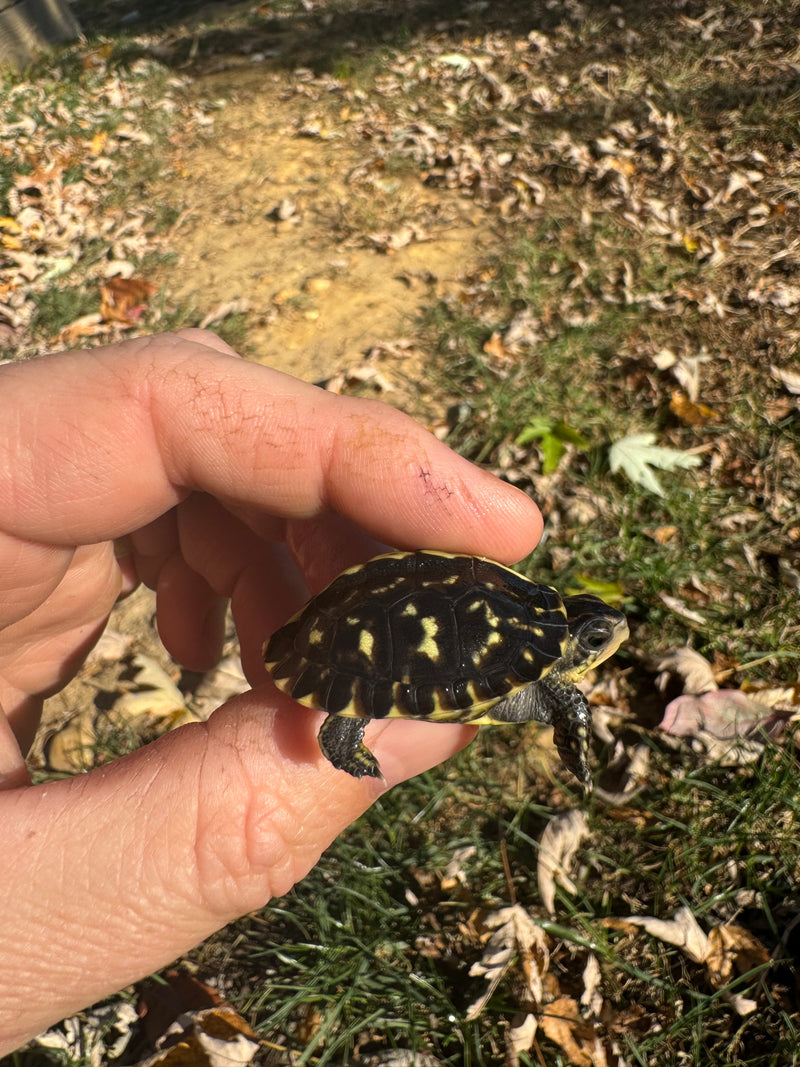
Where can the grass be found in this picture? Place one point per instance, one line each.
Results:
(372, 944)
(574, 371)
(373, 950)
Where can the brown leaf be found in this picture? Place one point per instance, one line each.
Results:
(123, 299)
(691, 413)
(174, 993)
(663, 535)
(733, 951)
(514, 935)
(562, 1024)
(494, 347)
(90, 325)
(213, 1037)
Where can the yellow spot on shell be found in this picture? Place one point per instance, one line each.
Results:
(428, 646)
(366, 643)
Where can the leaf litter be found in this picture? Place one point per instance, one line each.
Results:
(62, 151)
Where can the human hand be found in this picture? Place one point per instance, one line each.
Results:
(171, 461)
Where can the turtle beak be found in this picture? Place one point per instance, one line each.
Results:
(621, 633)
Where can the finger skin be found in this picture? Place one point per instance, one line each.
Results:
(135, 863)
(124, 436)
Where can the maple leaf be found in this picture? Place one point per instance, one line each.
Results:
(553, 436)
(637, 455)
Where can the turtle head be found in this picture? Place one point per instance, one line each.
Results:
(596, 631)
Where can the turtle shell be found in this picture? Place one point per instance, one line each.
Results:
(419, 635)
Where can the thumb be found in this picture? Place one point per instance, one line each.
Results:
(13, 769)
(137, 862)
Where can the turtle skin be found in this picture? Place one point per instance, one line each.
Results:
(443, 638)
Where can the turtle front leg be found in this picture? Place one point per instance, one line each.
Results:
(561, 705)
(341, 741)
(572, 730)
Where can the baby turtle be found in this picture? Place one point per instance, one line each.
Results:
(445, 638)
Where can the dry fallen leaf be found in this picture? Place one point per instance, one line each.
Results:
(789, 378)
(690, 412)
(111, 647)
(226, 308)
(123, 299)
(390, 241)
(591, 997)
(725, 714)
(683, 931)
(663, 535)
(156, 696)
(455, 874)
(562, 1024)
(96, 1037)
(733, 951)
(283, 210)
(226, 680)
(519, 1038)
(91, 325)
(680, 607)
(212, 1037)
(72, 748)
(494, 347)
(728, 950)
(626, 775)
(696, 672)
(560, 841)
(515, 935)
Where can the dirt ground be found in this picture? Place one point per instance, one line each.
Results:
(268, 218)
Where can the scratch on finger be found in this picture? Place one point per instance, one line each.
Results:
(442, 492)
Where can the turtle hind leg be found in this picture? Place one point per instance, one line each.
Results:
(341, 741)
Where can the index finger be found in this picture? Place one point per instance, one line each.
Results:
(104, 441)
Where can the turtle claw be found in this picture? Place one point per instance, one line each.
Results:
(341, 741)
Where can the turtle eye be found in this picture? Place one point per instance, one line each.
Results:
(594, 636)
